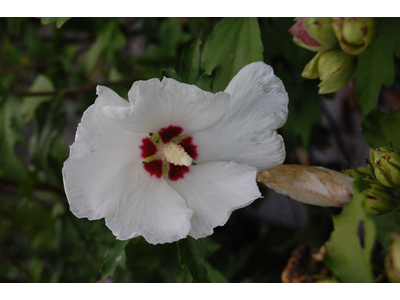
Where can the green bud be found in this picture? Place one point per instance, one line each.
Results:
(315, 34)
(311, 69)
(354, 34)
(386, 164)
(361, 172)
(335, 70)
(392, 260)
(379, 200)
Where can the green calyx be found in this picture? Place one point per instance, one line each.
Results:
(354, 34)
(335, 69)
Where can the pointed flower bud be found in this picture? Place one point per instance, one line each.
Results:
(392, 260)
(311, 185)
(311, 69)
(379, 200)
(315, 34)
(386, 164)
(335, 69)
(354, 34)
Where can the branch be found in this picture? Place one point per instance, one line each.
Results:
(71, 90)
(41, 187)
(12, 262)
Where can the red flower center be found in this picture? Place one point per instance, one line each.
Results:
(156, 166)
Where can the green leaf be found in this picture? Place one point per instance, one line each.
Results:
(348, 255)
(192, 255)
(385, 225)
(108, 40)
(11, 166)
(171, 73)
(382, 130)
(204, 82)
(58, 20)
(234, 43)
(115, 256)
(190, 63)
(171, 35)
(376, 66)
(31, 103)
(49, 124)
(303, 101)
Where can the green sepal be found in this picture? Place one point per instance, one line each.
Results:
(310, 71)
(392, 184)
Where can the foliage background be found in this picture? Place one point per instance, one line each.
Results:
(49, 69)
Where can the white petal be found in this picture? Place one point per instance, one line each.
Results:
(213, 190)
(101, 149)
(147, 206)
(158, 105)
(246, 133)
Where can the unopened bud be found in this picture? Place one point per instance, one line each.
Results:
(379, 200)
(386, 164)
(354, 34)
(311, 185)
(335, 69)
(392, 260)
(311, 69)
(315, 34)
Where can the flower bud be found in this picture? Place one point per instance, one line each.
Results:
(386, 164)
(311, 185)
(311, 69)
(379, 200)
(392, 260)
(315, 34)
(354, 34)
(335, 69)
(359, 172)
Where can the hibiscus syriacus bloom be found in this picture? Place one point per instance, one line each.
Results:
(175, 160)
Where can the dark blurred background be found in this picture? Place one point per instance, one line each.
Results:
(48, 78)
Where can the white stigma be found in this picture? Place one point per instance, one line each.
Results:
(176, 155)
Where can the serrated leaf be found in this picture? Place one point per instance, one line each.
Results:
(31, 103)
(234, 43)
(348, 255)
(376, 66)
(192, 255)
(190, 63)
(115, 256)
(382, 130)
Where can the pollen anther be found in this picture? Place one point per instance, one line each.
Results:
(176, 155)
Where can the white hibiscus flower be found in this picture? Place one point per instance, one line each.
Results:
(175, 160)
